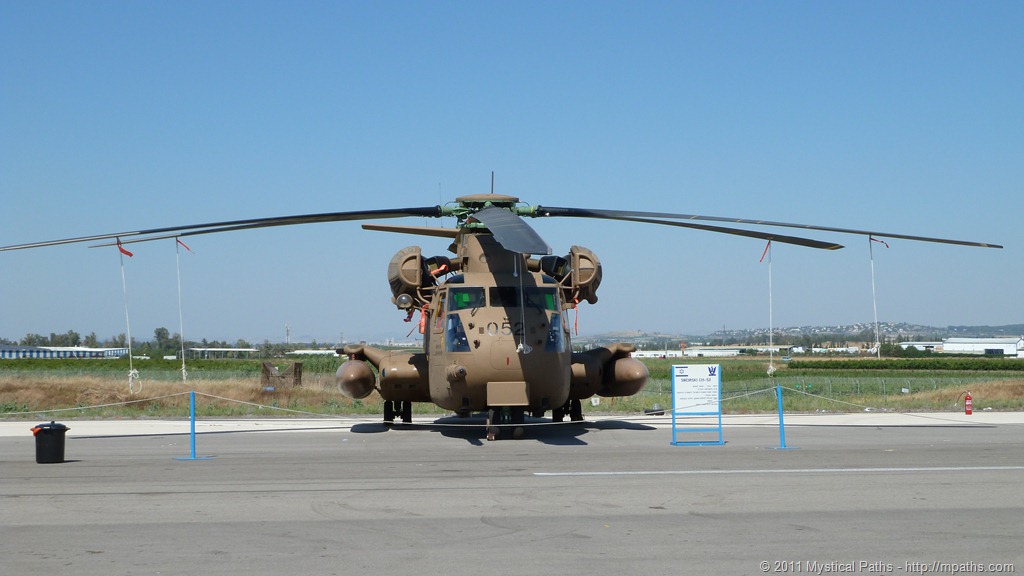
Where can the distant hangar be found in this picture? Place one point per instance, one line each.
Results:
(15, 352)
(989, 346)
(980, 346)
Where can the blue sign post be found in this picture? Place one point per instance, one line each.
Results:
(696, 391)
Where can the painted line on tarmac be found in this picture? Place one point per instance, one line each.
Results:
(789, 471)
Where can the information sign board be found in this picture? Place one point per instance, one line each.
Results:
(696, 391)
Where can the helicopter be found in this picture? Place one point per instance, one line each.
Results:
(493, 314)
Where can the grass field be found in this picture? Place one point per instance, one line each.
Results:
(233, 389)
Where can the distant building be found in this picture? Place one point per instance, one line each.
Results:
(987, 346)
(923, 346)
(980, 346)
(711, 352)
(220, 352)
(657, 354)
(17, 352)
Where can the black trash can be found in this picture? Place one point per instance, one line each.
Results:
(50, 442)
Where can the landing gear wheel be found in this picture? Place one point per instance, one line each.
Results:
(575, 410)
(503, 422)
(558, 414)
(406, 411)
(493, 432)
(518, 419)
(389, 412)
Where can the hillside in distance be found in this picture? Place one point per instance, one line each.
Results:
(860, 332)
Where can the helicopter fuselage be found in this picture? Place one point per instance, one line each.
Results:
(495, 335)
(498, 341)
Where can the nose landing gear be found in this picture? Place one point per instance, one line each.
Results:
(400, 408)
(574, 408)
(506, 422)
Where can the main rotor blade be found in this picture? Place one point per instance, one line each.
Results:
(741, 232)
(511, 231)
(627, 214)
(417, 230)
(209, 228)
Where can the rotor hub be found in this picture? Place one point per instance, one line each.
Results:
(483, 200)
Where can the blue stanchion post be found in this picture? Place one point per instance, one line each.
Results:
(192, 428)
(192, 421)
(782, 424)
(782, 421)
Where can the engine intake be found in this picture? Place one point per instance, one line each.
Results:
(580, 266)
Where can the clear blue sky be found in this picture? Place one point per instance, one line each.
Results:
(895, 116)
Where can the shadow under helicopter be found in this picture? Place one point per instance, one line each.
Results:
(472, 429)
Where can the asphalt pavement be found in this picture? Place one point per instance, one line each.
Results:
(877, 493)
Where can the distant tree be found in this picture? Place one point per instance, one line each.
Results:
(890, 349)
(161, 337)
(69, 338)
(35, 340)
(91, 341)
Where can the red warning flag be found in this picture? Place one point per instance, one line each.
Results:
(123, 249)
(873, 239)
(767, 246)
(183, 244)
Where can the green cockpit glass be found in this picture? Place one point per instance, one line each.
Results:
(532, 297)
(455, 339)
(462, 298)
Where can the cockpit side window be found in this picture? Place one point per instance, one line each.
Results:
(463, 298)
(455, 335)
(556, 336)
(442, 302)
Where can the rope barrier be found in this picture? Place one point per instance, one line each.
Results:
(95, 406)
(863, 406)
(262, 406)
(872, 408)
(638, 418)
(754, 393)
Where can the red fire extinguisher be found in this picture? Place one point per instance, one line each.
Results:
(968, 407)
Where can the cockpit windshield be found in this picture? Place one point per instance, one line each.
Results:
(532, 297)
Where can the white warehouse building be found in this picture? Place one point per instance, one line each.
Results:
(990, 346)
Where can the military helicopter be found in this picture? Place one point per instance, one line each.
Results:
(492, 315)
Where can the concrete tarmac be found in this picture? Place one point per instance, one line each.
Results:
(872, 493)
